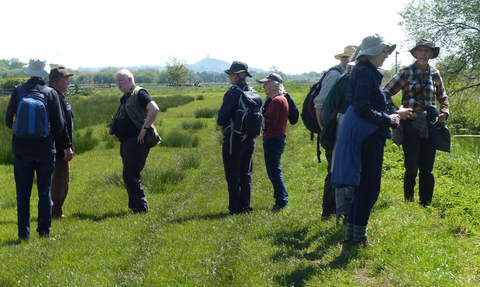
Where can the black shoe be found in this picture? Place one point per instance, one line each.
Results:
(277, 208)
(247, 210)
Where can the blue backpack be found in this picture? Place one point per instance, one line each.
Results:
(32, 114)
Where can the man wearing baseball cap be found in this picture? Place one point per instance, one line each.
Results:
(58, 80)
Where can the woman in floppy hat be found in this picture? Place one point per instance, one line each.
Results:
(362, 136)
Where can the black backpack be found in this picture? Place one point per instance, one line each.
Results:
(309, 114)
(31, 116)
(293, 112)
(248, 118)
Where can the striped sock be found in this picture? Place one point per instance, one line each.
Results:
(359, 232)
(348, 231)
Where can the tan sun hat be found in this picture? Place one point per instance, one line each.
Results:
(347, 52)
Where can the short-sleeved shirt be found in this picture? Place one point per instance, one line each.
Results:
(332, 75)
(125, 126)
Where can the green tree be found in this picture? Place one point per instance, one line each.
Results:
(147, 76)
(454, 25)
(105, 76)
(177, 71)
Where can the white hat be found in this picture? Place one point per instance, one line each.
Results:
(374, 45)
(37, 68)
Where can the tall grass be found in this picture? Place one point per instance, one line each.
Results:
(188, 239)
(206, 113)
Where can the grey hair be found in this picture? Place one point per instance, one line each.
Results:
(280, 89)
(127, 73)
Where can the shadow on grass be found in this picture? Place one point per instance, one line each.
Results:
(12, 242)
(200, 217)
(299, 240)
(94, 217)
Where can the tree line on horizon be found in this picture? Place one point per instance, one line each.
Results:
(176, 73)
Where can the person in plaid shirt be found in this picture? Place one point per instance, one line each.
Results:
(421, 85)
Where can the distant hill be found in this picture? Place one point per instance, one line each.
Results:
(205, 65)
(210, 65)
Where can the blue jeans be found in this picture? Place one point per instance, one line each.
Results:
(24, 168)
(273, 149)
(238, 172)
(134, 157)
(419, 157)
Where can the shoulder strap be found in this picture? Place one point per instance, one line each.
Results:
(136, 115)
(336, 68)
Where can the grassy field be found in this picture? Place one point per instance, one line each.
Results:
(188, 238)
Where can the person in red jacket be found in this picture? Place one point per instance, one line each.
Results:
(274, 136)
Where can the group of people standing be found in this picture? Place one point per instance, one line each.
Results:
(237, 152)
(365, 118)
(49, 155)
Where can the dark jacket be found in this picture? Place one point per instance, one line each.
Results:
(21, 146)
(60, 143)
(229, 106)
(368, 114)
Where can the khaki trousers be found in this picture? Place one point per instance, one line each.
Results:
(60, 183)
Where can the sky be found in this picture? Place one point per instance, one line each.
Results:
(295, 36)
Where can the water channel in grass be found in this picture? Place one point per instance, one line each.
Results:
(468, 140)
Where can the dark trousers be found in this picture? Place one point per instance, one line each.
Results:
(134, 156)
(24, 168)
(273, 149)
(419, 157)
(238, 172)
(60, 182)
(366, 194)
(328, 206)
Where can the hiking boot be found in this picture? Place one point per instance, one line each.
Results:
(363, 242)
(347, 246)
